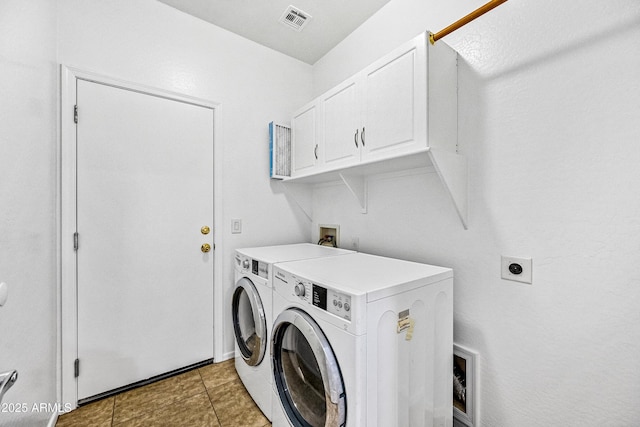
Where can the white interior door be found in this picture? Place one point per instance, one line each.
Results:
(144, 190)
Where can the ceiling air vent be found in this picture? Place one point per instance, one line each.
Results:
(295, 18)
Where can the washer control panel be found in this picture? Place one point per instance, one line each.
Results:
(339, 304)
(334, 302)
(246, 265)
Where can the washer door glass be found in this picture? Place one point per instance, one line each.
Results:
(249, 322)
(306, 372)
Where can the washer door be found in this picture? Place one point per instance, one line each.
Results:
(249, 322)
(306, 372)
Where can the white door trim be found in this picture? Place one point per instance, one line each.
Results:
(67, 318)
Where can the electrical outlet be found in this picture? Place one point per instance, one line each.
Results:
(516, 269)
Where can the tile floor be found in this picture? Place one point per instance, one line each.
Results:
(209, 396)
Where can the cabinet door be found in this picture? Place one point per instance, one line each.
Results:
(341, 125)
(395, 102)
(305, 140)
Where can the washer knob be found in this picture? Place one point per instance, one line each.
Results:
(347, 306)
(299, 289)
(245, 263)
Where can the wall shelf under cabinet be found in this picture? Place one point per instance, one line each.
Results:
(450, 167)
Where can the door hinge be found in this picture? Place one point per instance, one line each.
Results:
(76, 368)
(75, 114)
(75, 241)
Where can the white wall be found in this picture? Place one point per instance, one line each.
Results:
(548, 120)
(151, 43)
(27, 206)
(549, 116)
(144, 42)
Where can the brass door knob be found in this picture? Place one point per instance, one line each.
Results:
(205, 247)
(205, 230)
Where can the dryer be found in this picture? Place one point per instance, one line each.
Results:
(251, 312)
(362, 340)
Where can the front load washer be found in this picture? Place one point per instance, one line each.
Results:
(362, 340)
(251, 311)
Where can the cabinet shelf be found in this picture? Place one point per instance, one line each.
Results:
(450, 167)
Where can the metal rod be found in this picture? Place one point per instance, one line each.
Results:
(464, 21)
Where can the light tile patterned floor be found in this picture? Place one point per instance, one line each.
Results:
(211, 396)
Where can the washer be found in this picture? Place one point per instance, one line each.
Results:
(362, 340)
(251, 312)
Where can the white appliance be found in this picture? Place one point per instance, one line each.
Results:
(362, 340)
(251, 312)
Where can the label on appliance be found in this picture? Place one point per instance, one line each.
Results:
(406, 323)
(319, 297)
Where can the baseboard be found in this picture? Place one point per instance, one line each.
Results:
(226, 356)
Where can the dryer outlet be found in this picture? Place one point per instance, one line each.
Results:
(516, 269)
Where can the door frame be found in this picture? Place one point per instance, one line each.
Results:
(67, 211)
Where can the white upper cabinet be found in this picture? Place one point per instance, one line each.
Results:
(379, 113)
(341, 122)
(306, 137)
(399, 112)
(394, 102)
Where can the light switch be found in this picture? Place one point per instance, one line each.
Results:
(236, 226)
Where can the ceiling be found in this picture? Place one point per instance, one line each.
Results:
(258, 20)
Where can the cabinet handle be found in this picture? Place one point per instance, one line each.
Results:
(315, 151)
(355, 138)
(362, 136)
